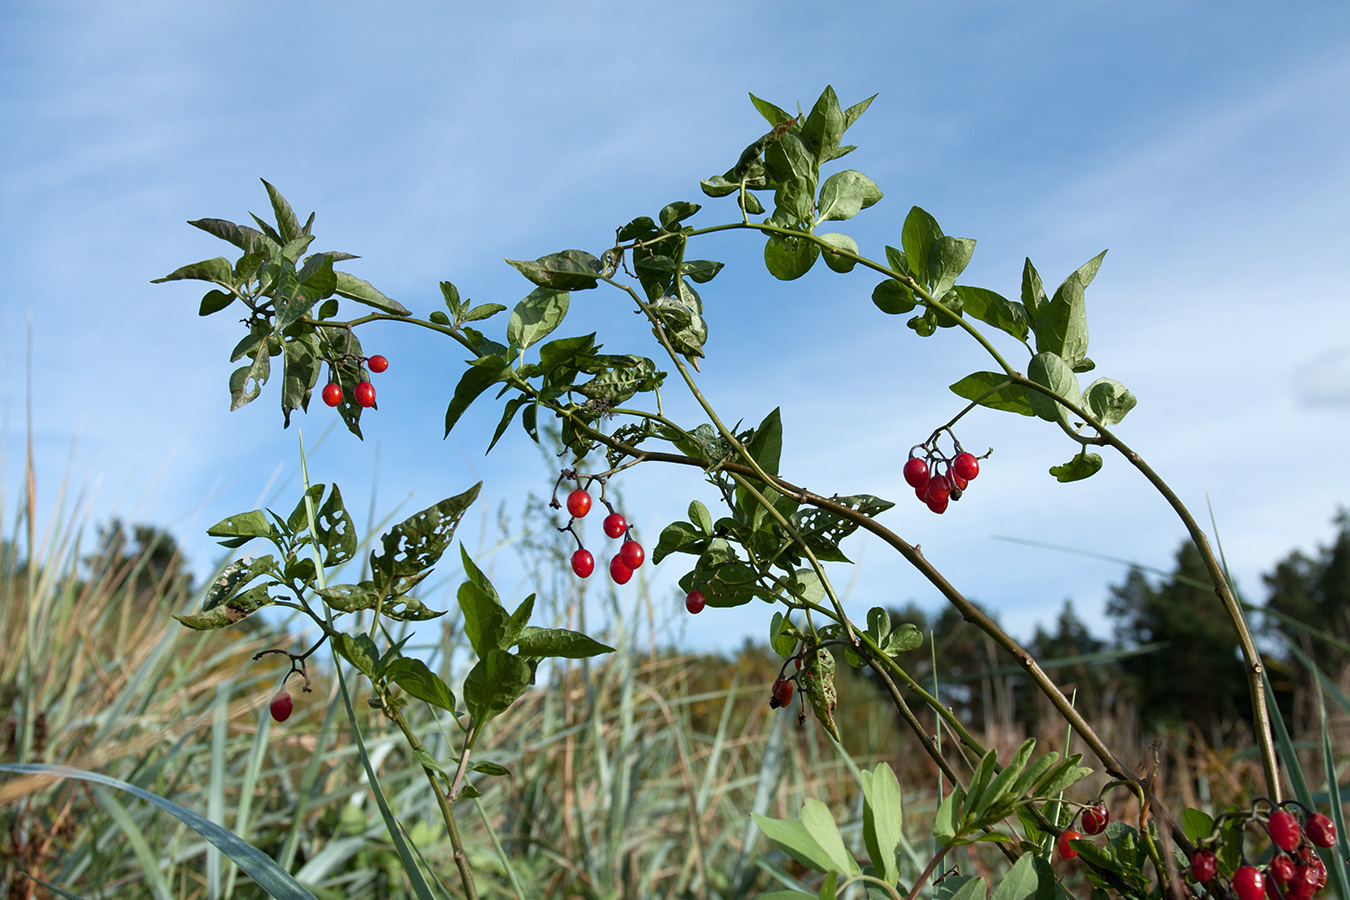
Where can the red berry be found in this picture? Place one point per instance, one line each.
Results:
(1281, 869)
(583, 563)
(921, 491)
(377, 363)
(1204, 865)
(958, 483)
(332, 393)
(916, 472)
(631, 554)
(1284, 830)
(1095, 818)
(578, 503)
(1062, 843)
(615, 525)
(966, 466)
(1321, 830)
(618, 571)
(365, 394)
(281, 706)
(939, 488)
(938, 504)
(1248, 883)
(782, 694)
(695, 601)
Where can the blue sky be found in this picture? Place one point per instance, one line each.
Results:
(1205, 145)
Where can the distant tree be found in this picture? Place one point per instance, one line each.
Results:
(1089, 681)
(141, 561)
(1196, 675)
(1314, 591)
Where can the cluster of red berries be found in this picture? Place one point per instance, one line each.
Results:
(1094, 820)
(1295, 872)
(937, 480)
(364, 391)
(630, 555)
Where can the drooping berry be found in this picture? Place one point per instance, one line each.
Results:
(1321, 830)
(1284, 830)
(938, 504)
(615, 525)
(1066, 850)
(1204, 865)
(1095, 818)
(578, 503)
(281, 706)
(782, 694)
(1281, 869)
(332, 393)
(583, 563)
(694, 601)
(632, 554)
(939, 488)
(365, 394)
(966, 466)
(377, 363)
(618, 571)
(916, 472)
(1248, 883)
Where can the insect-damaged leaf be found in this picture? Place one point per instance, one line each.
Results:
(415, 544)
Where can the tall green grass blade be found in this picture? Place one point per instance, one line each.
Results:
(215, 791)
(266, 873)
(53, 888)
(501, 853)
(419, 883)
(140, 846)
(1335, 861)
(1297, 780)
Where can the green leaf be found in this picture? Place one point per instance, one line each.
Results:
(824, 126)
(1020, 882)
(414, 677)
(947, 259)
(287, 224)
(882, 815)
(678, 537)
(214, 302)
(961, 887)
(853, 112)
(674, 213)
(301, 372)
(793, 169)
(233, 577)
(535, 317)
(992, 389)
(485, 619)
(1108, 400)
(317, 275)
(363, 291)
(483, 311)
(1033, 293)
(360, 651)
(232, 610)
(247, 239)
(626, 376)
(844, 194)
(839, 242)
(570, 270)
(414, 545)
(215, 270)
(1197, 824)
(1051, 371)
(493, 684)
(918, 235)
(559, 642)
(481, 374)
(337, 533)
(1062, 326)
(893, 297)
(766, 446)
(775, 115)
(239, 528)
(803, 842)
(1084, 465)
(993, 309)
(349, 598)
(946, 823)
(783, 635)
(700, 271)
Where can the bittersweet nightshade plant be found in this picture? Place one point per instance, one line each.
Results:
(770, 539)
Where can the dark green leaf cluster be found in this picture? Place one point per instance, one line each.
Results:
(787, 161)
(281, 288)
